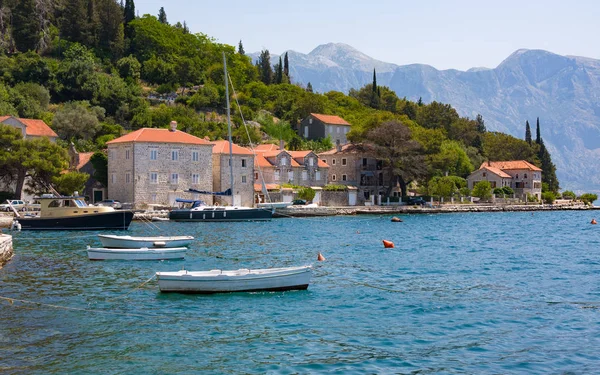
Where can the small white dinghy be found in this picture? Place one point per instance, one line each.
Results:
(130, 242)
(143, 253)
(242, 280)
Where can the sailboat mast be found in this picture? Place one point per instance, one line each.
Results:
(228, 127)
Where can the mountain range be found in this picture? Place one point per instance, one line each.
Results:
(563, 91)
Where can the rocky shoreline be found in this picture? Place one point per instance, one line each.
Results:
(300, 211)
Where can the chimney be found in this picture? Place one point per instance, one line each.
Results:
(338, 145)
(281, 144)
(173, 126)
(489, 163)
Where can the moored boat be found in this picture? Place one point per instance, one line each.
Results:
(143, 253)
(72, 213)
(114, 241)
(242, 280)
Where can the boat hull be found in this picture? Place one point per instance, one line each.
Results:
(136, 254)
(217, 281)
(112, 241)
(249, 214)
(116, 220)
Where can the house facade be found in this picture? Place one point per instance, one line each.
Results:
(243, 173)
(80, 162)
(520, 175)
(156, 166)
(302, 168)
(353, 165)
(316, 126)
(30, 128)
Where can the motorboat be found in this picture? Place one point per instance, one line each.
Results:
(241, 280)
(73, 213)
(114, 241)
(143, 253)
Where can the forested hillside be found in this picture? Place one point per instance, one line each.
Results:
(92, 70)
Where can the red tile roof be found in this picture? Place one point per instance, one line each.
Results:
(258, 187)
(496, 171)
(330, 119)
(260, 161)
(84, 158)
(322, 164)
(34, 128)
(222, 147)
(267, 147)
(511, 164)
(151, 135)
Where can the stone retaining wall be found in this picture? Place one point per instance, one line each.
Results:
(6, 249)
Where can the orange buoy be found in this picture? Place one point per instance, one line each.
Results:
(388, 244)
(594, 221)
(396, 219)
(320, 257)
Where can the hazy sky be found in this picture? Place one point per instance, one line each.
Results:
(458, 34)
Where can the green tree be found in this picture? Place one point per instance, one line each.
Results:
(500, 146)
(527, 133)
(538, 136)
(75, 121)
(306, 193)
(25, 25)
(129, 69)
(162, 16)
(68, 183)
(452, 159)
(569, 195)
(278, 72)
(241, 48)
(588, 198)
(264, 67)
(482, 190)
(309, 88)
(286, 68)
(128, 16)
(442, 187)
(100, 163)
(74, 21)
(402, 156)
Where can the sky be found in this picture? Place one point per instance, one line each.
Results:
(459, 34)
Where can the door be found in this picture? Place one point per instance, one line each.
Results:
(98, 196)
(352, 197)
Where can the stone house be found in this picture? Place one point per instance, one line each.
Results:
(316, 126)
(156, 166)
(80, 162)
(30, 128)
(243, 173)
(302, 168)
(353, 165)
(520, 175)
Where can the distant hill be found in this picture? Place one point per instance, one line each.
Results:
(563, 91)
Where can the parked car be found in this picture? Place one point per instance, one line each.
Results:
(18, 205)
(110, 203)
(298, 202)
(419, 201)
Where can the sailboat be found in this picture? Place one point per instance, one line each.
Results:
(202, 212)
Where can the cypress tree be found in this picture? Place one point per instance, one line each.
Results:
(527, 133)
(279, 72)
(420, 102)
(309, 87)
(480, 123)
(186, 30)
(128, 16)
(286, 66)
(241, 48)
(162, 16)
(25, 25)
(374, 81)
(264, 67)
(538, 137)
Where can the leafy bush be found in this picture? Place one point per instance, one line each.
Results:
(569, 195)
(508, 190)
(334, 187)
(483, 190)
(588, 198)
(548, 197)
(306, 193)
(531, 198)
(498, 192)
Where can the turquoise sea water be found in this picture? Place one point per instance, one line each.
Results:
(486, 293)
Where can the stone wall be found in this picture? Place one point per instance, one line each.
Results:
(243, 177)
(334, 198)
(6, 249)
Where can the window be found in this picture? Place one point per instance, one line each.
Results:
(484, 174)
(337, 130)
(311, 162)
(364, 162)
(195, 178)
(243, 163)
(333, 178)
(324, 161)
(127, 178)
(276, 175)
(283, 161)
(126, 154)
(310, 121)
(153, 154)
(344, 177)
(154, 178)
(304, 175)
(243, 179)
(517, 176)
(525, 175)
(194, 155)
(332, 161)
(291, 175)
(317, 175)
(345, 130)
(174, 155)
(344, 161)
(256, 175)
(113, 178)
(174, 178)
(153, 198)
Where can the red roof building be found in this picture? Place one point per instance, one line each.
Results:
(30, 127)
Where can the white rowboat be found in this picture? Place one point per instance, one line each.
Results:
(136, 254)
(129, 242)
(242, 280)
